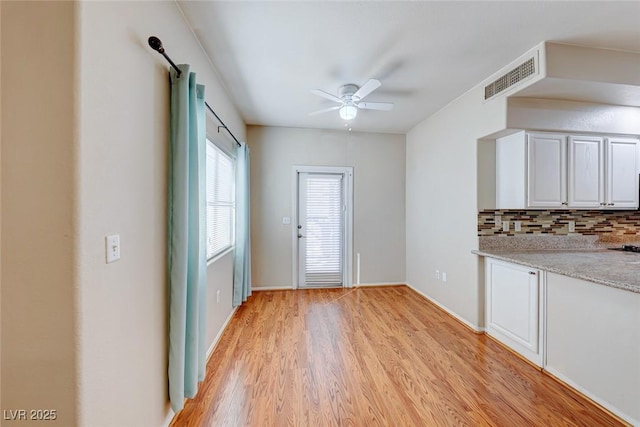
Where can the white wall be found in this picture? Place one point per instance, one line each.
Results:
(122, 166)
(442, 202)
(379, 203)
(38, 199)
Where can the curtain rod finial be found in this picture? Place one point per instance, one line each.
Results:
(156, 44)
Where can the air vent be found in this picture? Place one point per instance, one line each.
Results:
(504, 82)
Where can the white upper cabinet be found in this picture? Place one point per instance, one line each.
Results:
(547, 176)
(622, 173)
(546, 170)
(585, 180)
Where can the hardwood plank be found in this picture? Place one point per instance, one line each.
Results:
(371, 357)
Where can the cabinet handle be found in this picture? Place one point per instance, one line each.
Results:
(564, 203)
(603, 204)
(610, 204)
(533, 273)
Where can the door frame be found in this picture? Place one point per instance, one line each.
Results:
(347, 171)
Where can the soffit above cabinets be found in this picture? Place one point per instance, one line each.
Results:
(575, 73)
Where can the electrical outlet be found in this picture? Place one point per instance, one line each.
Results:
(437, 274)
(505, 225)
(218, 296)
(286, 220)
(572, 226)
(517, 225)
(112, 248)
(444, 276)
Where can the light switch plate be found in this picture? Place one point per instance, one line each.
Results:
(517, 225)
(572, 226)
(112, 248)
(498, 221)
(505, 225)
(444, 276)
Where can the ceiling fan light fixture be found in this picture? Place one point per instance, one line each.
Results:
(348, 112)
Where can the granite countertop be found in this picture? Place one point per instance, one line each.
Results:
(611, 268)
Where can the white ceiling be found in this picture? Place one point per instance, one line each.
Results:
(426, 53)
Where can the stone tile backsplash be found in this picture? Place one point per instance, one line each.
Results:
(614, 225)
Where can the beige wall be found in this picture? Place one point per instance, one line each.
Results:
(39, 184)
(94, 164)
(0, 204)
(124, 97)
(442, 202)
(379, 205)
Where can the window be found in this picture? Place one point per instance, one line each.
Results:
(220, 201)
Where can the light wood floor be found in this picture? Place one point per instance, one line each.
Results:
(369, 357)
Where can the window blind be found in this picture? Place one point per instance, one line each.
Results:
(324, 229)
(220, 200)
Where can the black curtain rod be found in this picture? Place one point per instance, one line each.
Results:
(156, 45)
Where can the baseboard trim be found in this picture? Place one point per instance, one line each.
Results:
(602, 404)
(169, 418)
(220, 332)
(270, 288)
(371, 285)
(475, 328)
(170, 415)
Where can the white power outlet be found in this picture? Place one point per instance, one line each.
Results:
(517, 225)
(505, 225)
(112, 248)
(286, 220)
(437, 274)
(218, 296)
(444, 276)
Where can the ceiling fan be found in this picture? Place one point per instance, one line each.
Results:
(350, 99)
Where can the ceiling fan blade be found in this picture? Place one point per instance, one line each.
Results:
(325, 110)
(326, 95)
(383, 106)
(366, 89)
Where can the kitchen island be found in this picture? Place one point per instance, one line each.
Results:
(583, 307)
(607, 267)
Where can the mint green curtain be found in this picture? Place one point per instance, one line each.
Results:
(186, 238)
(242, 254)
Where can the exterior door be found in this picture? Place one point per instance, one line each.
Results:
(321, 229)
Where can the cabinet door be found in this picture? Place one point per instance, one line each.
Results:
(511, 171)
(585, 186)
(547, 171)
(622, 173)
(513, 307)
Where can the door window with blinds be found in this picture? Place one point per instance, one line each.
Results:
(321, 226)
(220, 201)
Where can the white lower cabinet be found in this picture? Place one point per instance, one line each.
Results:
(514, 309)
